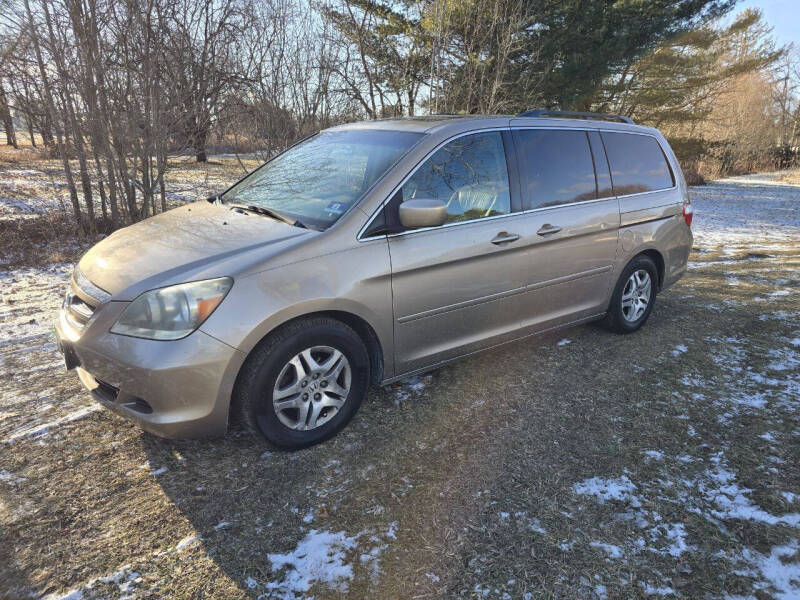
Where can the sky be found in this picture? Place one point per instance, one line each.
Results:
(783, 15)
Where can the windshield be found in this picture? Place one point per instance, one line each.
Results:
(316, 181)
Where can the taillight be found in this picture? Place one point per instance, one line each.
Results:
(688, 213)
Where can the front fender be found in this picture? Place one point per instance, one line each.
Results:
(356, 281)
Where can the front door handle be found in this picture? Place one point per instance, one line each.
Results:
(504, 238)
(548, 229)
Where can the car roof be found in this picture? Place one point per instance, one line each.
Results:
(421, 124)
(453, 124)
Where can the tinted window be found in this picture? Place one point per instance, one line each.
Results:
(556, 167)
(637, 163)
(319, 179)
(468, 174)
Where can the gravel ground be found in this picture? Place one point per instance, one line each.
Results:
(580, 465)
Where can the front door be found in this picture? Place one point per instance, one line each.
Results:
(458, 288)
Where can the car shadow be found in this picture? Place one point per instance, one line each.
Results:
(248, 500)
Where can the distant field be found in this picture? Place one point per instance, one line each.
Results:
(579, 465)
(792, 177)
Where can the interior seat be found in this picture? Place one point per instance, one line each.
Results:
(479, 198)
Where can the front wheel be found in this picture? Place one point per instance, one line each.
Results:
(634, 296)
(304, 383)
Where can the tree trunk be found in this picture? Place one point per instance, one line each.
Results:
(200, 138)
(8, 122)
(29, 116)
(100, 187)
(162, 167)
(29, 123)
(47, 132)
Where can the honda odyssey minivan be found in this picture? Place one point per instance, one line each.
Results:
(369, 252)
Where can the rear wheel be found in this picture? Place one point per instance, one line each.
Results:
(304, 383)
(634, 296)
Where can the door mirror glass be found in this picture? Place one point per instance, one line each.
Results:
(422, 212)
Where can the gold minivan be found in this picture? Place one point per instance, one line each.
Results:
(369, 252)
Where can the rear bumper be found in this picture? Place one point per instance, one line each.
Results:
(179, 388)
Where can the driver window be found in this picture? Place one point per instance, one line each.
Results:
(468, 174)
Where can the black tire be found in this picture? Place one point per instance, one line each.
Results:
(254, 387)
(615, 319)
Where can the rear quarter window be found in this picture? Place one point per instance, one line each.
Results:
(638, 163)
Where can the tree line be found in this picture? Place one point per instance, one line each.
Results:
(111, 88)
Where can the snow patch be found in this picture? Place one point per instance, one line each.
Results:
(610, 549)
(407, 388)
(320, 557)
(654, 454)
(675, 533)
(10, 478)
(186, 542)
(327, 558)
(125, 578)
(42, 429)
(656, 590)
(620, 489)
(732, 501)
(780, 569)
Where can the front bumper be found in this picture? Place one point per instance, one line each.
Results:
(179, 388)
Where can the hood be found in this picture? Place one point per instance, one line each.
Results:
(193, 242)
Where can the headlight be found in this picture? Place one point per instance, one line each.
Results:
(172, 312)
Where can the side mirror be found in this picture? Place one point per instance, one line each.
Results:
(422, 212)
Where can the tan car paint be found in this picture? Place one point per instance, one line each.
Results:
(423, 297)
(196, 241)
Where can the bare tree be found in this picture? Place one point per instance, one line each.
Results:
(201, 44)
(785, 93)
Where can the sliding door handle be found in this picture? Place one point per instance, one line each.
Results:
(548, 229)
(504, 238)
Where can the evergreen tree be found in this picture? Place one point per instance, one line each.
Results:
(572, 46)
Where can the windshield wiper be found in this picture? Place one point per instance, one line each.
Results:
(268, 212)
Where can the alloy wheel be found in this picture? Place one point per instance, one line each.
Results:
(636, 295)
(311, 388)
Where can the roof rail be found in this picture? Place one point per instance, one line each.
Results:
(576, 115)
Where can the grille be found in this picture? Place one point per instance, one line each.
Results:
(82, 299)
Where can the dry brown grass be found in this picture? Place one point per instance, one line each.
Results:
(792, 177)
(23, 155)
(476, 470)
(42, 240)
